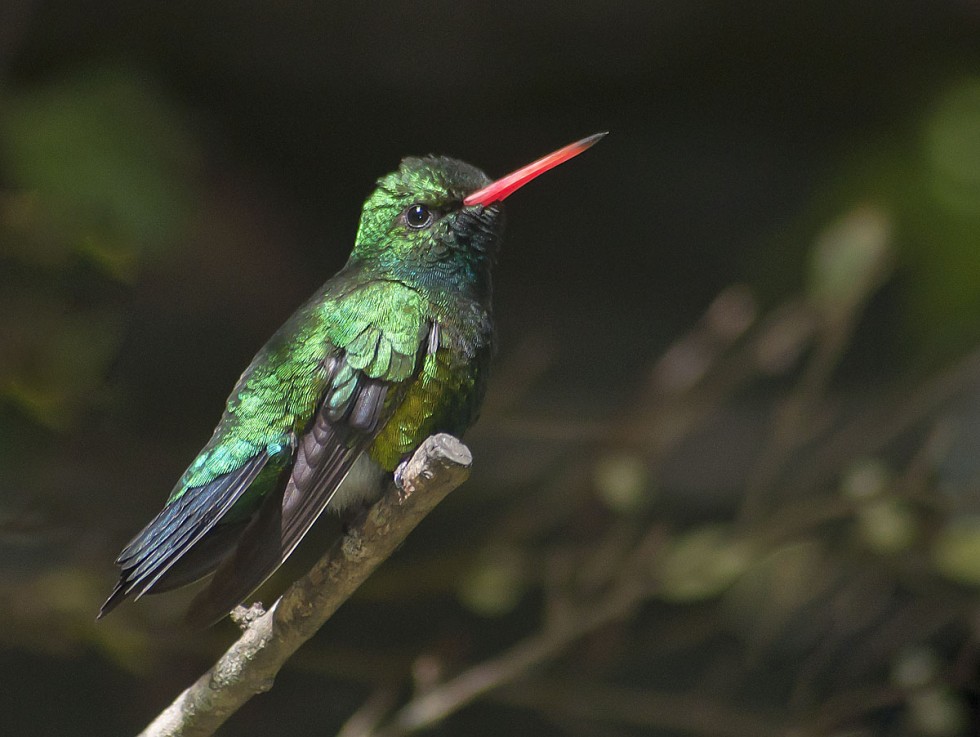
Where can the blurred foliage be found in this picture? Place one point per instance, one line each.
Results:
(924, 174)
(99, 167)
(96, 175)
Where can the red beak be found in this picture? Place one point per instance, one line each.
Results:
(506, 186)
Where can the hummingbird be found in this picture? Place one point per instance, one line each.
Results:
(393, 348)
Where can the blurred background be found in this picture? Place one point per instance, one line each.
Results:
(729, 457)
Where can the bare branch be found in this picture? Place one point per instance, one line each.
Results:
(432, 705)
(630, 587)
(250, 665)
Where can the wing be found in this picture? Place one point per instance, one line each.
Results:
(342, 362)
(325, 456)
(179, 527)
(366, 382)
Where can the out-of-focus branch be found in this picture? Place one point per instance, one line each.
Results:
(250, 665)
(851, 260)
(630, 586)
(684, 712)
(903, 408)
(432, 705)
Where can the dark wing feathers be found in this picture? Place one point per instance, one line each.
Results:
(368, 405)
(324, 459)
(176, 529)
(354, 409)
(325, 455)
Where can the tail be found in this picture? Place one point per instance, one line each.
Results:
(185, 541)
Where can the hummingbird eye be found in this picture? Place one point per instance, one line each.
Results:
(418, 216)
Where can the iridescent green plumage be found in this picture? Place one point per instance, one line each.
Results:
(393, 348)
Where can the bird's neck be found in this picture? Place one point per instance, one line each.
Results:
(444, 282)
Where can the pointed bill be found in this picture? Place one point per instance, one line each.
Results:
(506, 186)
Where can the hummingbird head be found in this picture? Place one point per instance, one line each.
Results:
(436, 222)
(415, 228)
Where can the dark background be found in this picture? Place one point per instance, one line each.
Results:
(175, 178)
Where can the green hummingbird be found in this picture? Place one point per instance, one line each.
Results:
(393, 348)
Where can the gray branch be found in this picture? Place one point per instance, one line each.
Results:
(250, 665)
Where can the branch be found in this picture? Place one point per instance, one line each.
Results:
(250, 665)
(428, 708)
(629, 588)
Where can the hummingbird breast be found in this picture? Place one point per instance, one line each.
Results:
(447, 392)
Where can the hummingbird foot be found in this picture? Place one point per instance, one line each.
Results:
(403, 484)
(399, 475)
(353, 546)
(244, 616)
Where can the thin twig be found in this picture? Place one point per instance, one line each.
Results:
(900, 410)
